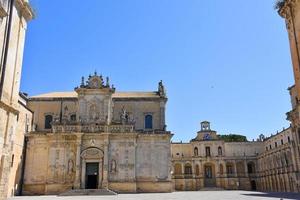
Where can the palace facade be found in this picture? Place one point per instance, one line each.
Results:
(96, 137)
(268, 164)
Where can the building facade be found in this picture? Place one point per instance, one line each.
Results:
(207, 161)
(14, 15)
(96, 137)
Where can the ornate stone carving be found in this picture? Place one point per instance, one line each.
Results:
(96, 82)
(286, 9)
(92, 153)
(113, 166)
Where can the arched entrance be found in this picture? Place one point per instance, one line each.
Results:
(92, 168)
(253, 185)
(209, 175)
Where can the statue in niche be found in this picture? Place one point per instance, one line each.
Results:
(93, 112)
(113, 166)
(70, 166)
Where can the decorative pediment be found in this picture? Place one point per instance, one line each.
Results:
(96, 82)
(92, 154)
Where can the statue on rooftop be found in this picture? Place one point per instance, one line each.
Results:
(161, 89)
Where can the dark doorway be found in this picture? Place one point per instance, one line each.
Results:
(91, 179)
(209, 180)
(253, 185)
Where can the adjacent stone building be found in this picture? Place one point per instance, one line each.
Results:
(15, 118)
(97, 137)
(207, 161)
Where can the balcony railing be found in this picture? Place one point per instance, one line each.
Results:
(94, 128)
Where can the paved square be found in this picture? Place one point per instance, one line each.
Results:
(207, 195)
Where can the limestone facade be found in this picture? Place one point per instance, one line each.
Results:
(268, 164)
(14, 15)
(96, 137)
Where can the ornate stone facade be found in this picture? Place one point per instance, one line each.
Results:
(96, 137)
(14, 116)
(267, 164)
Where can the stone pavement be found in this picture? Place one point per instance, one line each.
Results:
(206, 195)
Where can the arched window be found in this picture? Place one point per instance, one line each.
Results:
(48, 120)
(177, 169)
(219, 151)
(73, 117)
(195, 151)
(148, 122)
(188, 169)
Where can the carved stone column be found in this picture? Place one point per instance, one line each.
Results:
(246, 168)
(105, 163)
(78, 160)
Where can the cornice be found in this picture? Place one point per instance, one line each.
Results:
(26, 10)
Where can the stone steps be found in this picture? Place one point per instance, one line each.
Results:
(211, 189)
(92, 192)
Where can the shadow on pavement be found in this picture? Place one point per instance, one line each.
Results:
(279, 195)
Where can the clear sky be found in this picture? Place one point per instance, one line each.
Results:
(227, 62)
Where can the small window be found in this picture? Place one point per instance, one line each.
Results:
(281, 141)
(195, 151)
(289, 139)
(48, 121)
(12, 160)
(219, 151)
(148, 122)
(270, 146)
(207, 151)
(275, 144)
(73, 117)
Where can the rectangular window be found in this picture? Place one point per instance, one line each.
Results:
(12, 160)
(207, 151)
(275, 144)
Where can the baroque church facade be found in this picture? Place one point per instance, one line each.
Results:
(96, 137)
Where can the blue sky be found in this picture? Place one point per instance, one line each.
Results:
(227, 62)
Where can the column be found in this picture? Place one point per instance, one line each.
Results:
(246, 169)
(105, 164)
(78, 161)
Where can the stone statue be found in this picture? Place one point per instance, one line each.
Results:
(113, 166)
(161, 89)
(124, 116)
(107, 82)
(70, 166)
